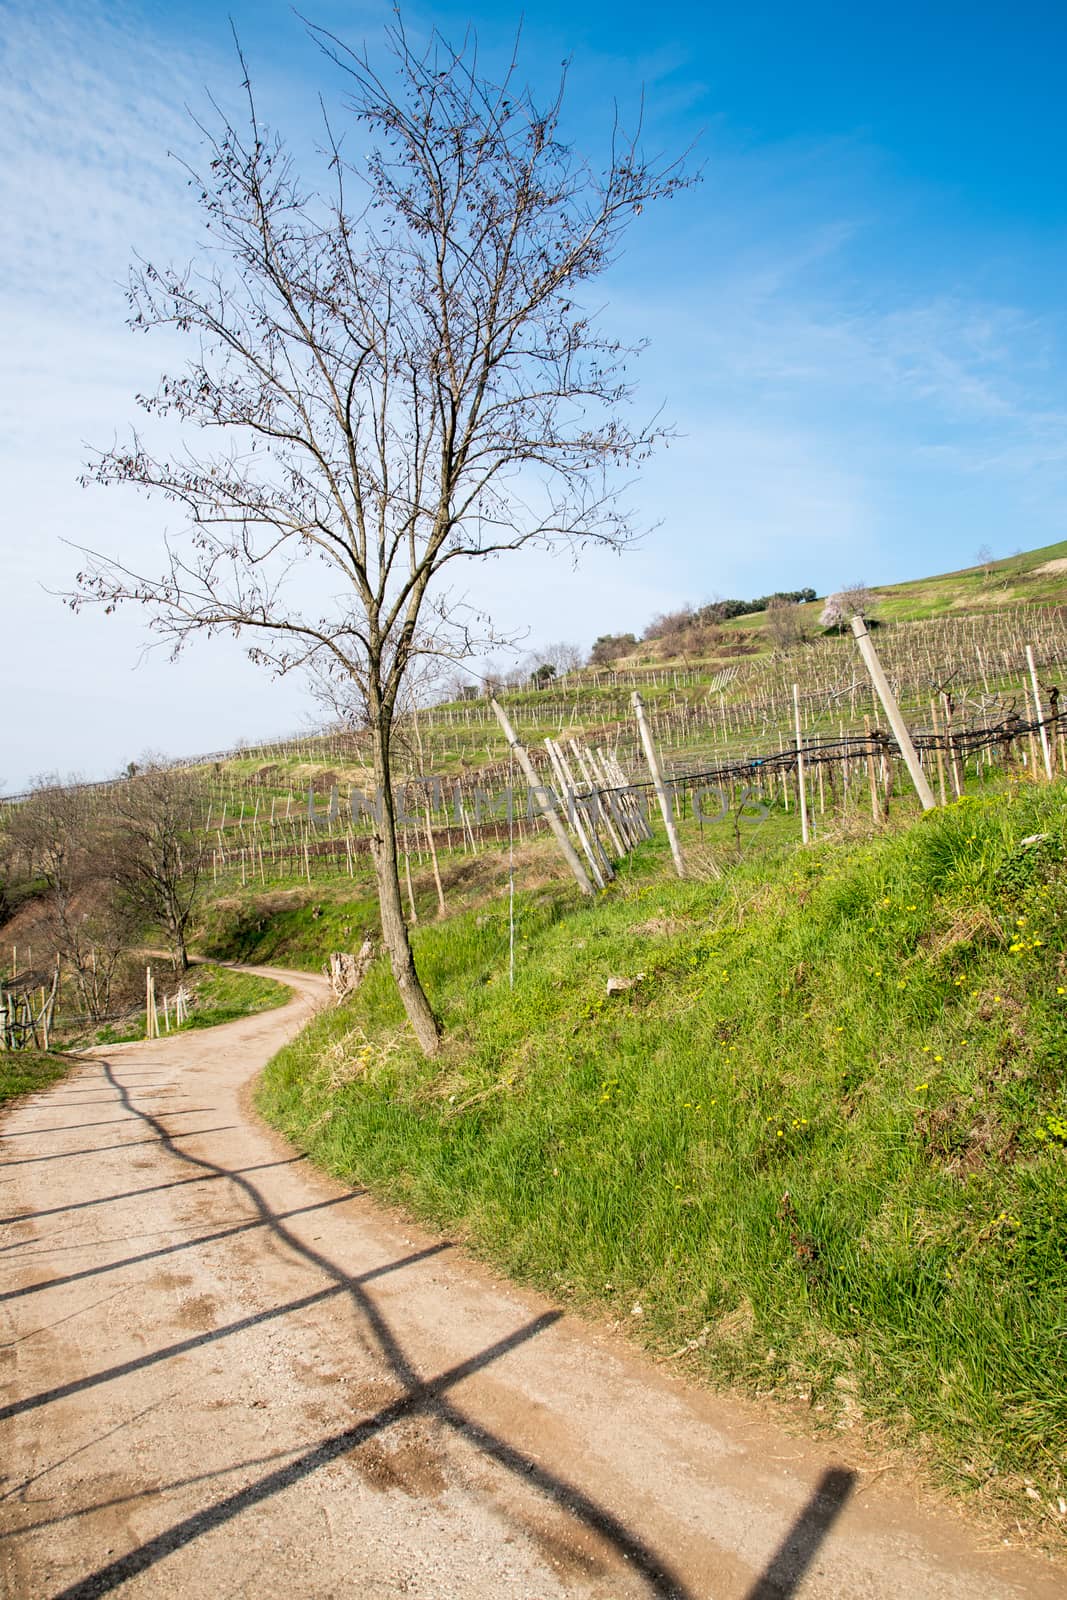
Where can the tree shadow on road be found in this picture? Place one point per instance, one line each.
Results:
(417, 1395)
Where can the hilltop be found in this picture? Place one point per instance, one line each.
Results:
(697, 633)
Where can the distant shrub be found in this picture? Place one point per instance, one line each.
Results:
(609, 647)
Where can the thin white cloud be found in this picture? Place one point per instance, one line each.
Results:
(832, 406)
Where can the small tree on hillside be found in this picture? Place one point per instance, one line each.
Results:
(564, 657)
(157, 850)
(56, 835)
(609, 647)
(785, 622)
(408, 378)
(855, 601)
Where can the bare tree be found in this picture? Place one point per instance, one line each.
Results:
(157, 849)
(56, 835)
(407, 378)
(563, 656)
(786, 622)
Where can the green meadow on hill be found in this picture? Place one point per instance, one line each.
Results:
(818, 1146)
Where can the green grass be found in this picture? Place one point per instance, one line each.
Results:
(27, 1071)
(820, 1142)
(218, 995)
(296, 928)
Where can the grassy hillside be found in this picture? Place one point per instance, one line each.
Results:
(28, 1071)
(819, 1147)
(1033, 577)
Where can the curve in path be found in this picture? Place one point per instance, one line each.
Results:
(225, 1375)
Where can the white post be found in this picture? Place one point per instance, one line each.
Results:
(548, 811)
(657, 779)
(800, 766)
(892, 711)
(1040, 715)
(600, 864)
(595, 784)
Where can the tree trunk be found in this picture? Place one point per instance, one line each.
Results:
(179, 955)
(394, 928)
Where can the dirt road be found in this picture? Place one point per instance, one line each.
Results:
(225, 1376)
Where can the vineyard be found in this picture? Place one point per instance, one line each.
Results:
(304, 808)
(758, 753)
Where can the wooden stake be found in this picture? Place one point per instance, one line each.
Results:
(549, 812)
(586, 835)
(802, 795)
(657, 778)
(1040, 715)
(433, 858)
(411, 892)
(940, 757)
(892, 711)
(953, 762)
(871, 777)
(587, 766)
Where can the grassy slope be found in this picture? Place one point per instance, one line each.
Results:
(295, 928)
(1013, 581)
(822, 1139)
(27, 1071)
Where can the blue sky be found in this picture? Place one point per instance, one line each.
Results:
(856, 320)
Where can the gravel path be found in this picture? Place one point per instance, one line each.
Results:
(226, 1376)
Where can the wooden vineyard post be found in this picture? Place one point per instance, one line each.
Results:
(887, 784)
(584, 828)
(657, 779)
(594, 784)
(151, 1018)
(802, 794)
(575, 820)
(872, 778)
(1040, 715)
(940, 757)
(549, 812)
(639, 817)
(954, 766)
(1030, 761)
(627, 818)
(407, 875)
(892, 711)
(433, 858)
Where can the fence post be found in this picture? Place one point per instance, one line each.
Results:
(1040, 714)
(657, 778)
(892, 711)
(551, 816)
(940, 758)
(801, 786)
